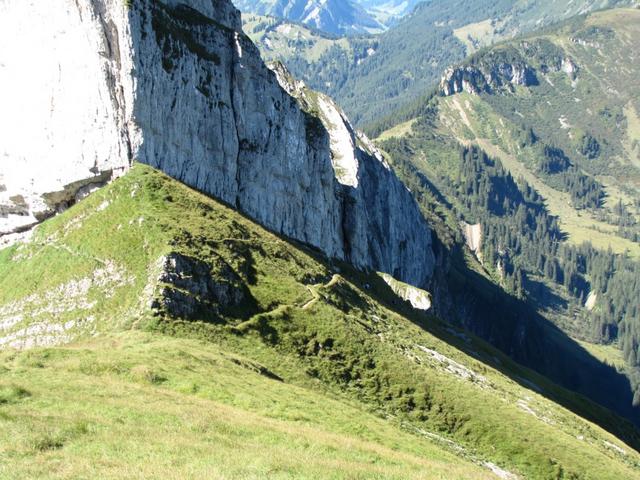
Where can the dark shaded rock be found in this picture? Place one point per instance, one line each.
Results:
(194, 289)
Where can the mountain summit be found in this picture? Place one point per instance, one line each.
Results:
(332, 16)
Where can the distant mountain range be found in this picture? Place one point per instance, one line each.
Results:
(341, 17)
(355, 17)
(389, 11)
(372, 76)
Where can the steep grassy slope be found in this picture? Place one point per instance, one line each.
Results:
(555, 112)
(248, 340)
(147, 406)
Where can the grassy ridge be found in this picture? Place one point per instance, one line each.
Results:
(316, 344)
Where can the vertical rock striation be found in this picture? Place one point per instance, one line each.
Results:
(177, 85)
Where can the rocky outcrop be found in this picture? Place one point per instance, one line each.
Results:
(26, 204)
(486, 78)
(190, 288)
(503, 69)
(569, 67)
(418, 298)
(177, 85)
(473, 238)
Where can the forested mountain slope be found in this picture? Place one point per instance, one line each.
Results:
(372, 76)
(201, 337)
(533, 142)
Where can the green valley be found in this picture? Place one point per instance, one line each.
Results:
(533, 141)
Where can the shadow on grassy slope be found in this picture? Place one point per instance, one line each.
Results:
(503, 321)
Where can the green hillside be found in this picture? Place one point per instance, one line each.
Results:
(280, 39)
(197, 343)
(548, 169)
(191, 410)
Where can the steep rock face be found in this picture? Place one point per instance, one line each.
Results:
(178, 86)
(58, 107)
(483, 79)
(505, 68)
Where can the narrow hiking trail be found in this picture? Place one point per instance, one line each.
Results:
(313, 290)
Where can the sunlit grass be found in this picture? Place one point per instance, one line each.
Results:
(355, 385)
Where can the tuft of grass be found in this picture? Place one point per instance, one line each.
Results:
(143, 373)
(12, 394)
(47, 442)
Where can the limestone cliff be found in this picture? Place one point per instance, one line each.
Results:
(476, 79)
(504, 68)
(97, 84)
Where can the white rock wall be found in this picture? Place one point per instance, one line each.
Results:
(58, 122)
(93, 84)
